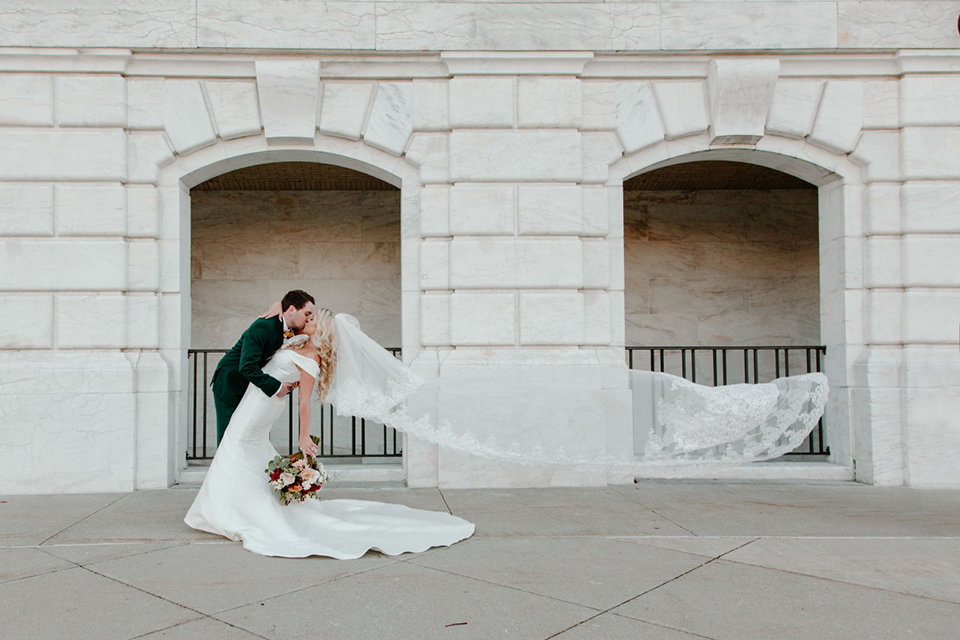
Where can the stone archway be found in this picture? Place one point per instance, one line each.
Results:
(175, 179)
(837, 180)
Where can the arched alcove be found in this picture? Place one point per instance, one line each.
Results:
(720, 253)
(801, 270)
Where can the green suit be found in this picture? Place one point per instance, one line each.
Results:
(242, 365)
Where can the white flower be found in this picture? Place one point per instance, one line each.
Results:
(310, 475)
(287, 478)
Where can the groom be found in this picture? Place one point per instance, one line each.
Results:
(244, 363)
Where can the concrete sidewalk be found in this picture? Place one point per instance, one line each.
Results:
(657, 560)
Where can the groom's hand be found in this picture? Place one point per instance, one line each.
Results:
(286, 388)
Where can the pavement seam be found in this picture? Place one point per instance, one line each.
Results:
(180, 624)
(89, 515)
(652, 510)
(650, 590)
(837, 581)
(312, 586)
(444, 498)
(505, 586)
(132, 555)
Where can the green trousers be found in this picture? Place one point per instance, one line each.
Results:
(224, 413)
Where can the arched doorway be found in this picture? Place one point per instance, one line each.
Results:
(827, 221)
(262, 230)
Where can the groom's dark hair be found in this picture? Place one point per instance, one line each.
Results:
(297, 298)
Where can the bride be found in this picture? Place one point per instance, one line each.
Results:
(237, 502)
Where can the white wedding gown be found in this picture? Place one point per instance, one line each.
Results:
(236, 501)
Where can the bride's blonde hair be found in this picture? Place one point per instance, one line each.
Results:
(325, 342)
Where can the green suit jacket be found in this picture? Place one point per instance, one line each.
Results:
(243, 364)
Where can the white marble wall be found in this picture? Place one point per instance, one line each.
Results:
(248, 248)
(510, 161)
(721, 267)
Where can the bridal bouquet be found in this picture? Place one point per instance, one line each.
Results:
(297, 477)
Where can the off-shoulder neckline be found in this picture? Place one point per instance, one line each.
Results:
(300, 355)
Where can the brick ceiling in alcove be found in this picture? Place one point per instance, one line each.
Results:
(313, 176)
(294, 176)
(712, 175)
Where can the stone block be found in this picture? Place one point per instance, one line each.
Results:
(106, 23)
(289, 92)
(143, 265)
(682, 106)
(431, 152)
(64, 154)
(638, 123)
(435, 265)
(600, 150)
(596, 264)
(931, 436)
(879, 153)
(596, 318)
(599, 108)
(931, 261)
(893, 25)
(185, 116)
(276, 24)
(26, 322)
(793, 106)
(483, 319)
(882, 209)
(840, 116)
(511, 156)
(26, 100)
(26, 210)
(409, 26)
(740, 95)
(435, 210)
(343, 109)
(236, 110)
(435, 320)
(596, 214)
(143, 211)
(931, 317)
(143, 321)
(929, 153)
(391, 119)
(709, 26)
(147, 152)
(91, 321)
(144, 104)
(882, 262)
(549, 102)
(67, 265)
(507, 263)
(481, 102)
(483, 209)
(554, 209)
(551, 318)
(91, 101)
(91, 210)
(881, 104)
(930, 100)
(931, 207)
(431, 105)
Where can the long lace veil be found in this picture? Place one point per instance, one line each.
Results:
(676, 422)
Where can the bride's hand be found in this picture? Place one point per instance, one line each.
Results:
(274, 310)
(308, 447)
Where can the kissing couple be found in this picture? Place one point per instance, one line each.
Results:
(296, 345)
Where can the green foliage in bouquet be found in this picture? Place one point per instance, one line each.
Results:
(297, 477)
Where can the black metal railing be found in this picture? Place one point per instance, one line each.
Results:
(366, 439)
(729, 365)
